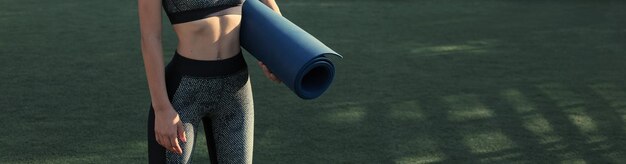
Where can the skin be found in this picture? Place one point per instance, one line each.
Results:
(212, 38)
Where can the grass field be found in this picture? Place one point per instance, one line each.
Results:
(423, 81)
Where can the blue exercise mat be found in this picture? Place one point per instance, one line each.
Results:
(297, 58)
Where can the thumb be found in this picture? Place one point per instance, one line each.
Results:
(181, 132)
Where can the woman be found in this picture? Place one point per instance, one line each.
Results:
(206, 81)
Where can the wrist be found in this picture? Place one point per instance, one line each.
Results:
(159, 106)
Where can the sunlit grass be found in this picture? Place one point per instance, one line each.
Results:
(532, 119)
(574, 161)
(540, 126)
(586, 125)
(419, 159)
(420, 149)
(470, 47)
(347, 115)
(614, 96)
(573, 107)
(406, 111)
(486, 142)
(562, 96)
(466, 107)
(518, 101)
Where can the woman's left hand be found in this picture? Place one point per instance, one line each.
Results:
(269, 73)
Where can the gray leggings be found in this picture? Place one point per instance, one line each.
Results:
(216, 93)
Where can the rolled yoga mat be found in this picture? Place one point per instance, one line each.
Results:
(297, 58)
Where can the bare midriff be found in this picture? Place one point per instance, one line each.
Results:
(213, 38)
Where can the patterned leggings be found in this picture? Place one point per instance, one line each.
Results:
(216, 93)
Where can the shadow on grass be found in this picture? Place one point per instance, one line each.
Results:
(529, 124)
(422, 82)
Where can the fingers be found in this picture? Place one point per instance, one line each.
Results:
(175, 145)
(169, 142)
(268, 73)
(164, 141)
(181, 132)
(264, 68)
(158, 139)
(167, 134)
(274, 78)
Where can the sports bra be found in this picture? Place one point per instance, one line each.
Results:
(181, 11)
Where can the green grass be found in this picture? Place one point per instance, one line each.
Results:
(430, 81)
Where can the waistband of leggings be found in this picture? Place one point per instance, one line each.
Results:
(207, 68)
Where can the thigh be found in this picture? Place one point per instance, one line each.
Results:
(187, 101)
(230, 129)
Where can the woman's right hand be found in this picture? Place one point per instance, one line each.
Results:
(168, 129)
(269, 73)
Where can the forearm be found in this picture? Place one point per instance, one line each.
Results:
(272, 5)
(153, 62)
(152, 51)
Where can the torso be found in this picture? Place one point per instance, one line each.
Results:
(213, 38)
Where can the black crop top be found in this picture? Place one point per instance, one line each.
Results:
(181, 11)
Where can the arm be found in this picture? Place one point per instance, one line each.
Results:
(151, 48)
(167, 122)
(272, 5)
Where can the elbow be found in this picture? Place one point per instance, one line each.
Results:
(148, 41)
(150, 38)
(150, 44)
